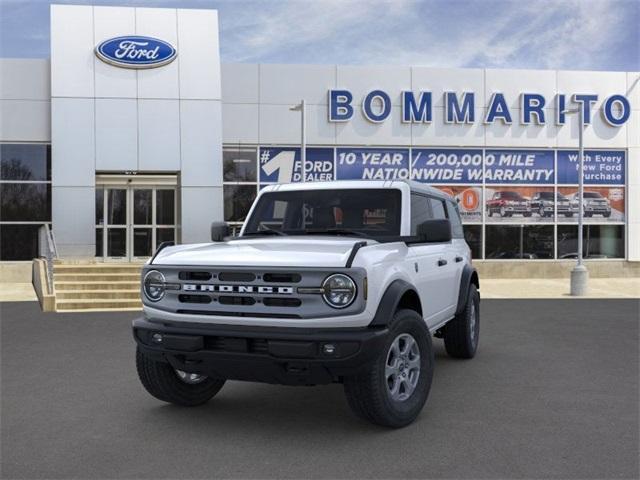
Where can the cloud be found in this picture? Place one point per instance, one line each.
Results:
(570, 34)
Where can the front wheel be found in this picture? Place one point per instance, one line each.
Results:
(461, 334)
(175, 386)
(394, 387)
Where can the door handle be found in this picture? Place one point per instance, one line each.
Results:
(442, 262)
(459, 259)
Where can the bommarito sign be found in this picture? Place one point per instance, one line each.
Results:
(460, 108)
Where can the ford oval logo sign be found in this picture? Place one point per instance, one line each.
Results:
(134, 51)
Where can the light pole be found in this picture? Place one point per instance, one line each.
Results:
(303, 136)
(580, 274)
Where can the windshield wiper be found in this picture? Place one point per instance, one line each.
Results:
(335, 231)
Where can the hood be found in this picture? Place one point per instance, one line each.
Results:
(307, 251)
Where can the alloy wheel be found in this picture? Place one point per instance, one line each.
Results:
(402, 367)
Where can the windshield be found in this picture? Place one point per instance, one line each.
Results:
(546, 195)
(361, 212)
(511, 196)
(592, 195)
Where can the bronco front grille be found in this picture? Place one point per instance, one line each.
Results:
(252, 292)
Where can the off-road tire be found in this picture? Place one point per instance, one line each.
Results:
(368, 394)
(458, 340)
(527, 214)
(161, 381)
(606, 214)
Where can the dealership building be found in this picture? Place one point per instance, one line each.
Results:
(116, 158)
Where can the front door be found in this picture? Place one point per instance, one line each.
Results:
(132, 220)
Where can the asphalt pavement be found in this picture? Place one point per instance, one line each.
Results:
(552, 393)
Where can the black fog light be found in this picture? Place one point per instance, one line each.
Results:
(329, 349)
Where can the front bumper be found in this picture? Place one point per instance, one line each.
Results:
(290, 356)
(597, 209)
(517, 209)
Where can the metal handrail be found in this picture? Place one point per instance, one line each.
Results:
(47, 248)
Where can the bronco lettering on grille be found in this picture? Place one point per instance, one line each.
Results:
(191, 287)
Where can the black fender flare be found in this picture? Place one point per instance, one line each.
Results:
(469, 276)
(389, 302)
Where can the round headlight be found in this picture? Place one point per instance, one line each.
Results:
(339, 290)
(153, 285)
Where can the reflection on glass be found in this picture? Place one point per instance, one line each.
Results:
(142, 207)
(25, 162)
(142, 242)
(165, 207)
(99, 242)
(239, 164)
(529, 242)
(25, 202)
(117, 207)
(598, 241)
(18, 242)
(473, 236)
(99, 206)
(165, 235)
(116, 242)
(237, 201)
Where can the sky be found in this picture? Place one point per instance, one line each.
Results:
(534, 34)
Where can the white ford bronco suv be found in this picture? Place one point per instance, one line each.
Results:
(327, 282)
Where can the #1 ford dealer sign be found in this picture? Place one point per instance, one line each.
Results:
(136, 52)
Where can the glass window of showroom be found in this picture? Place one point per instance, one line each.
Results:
(25, 198)
(515, 203)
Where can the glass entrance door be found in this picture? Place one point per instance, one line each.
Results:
(132, 220)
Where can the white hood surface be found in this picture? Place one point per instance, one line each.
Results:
(304, 251)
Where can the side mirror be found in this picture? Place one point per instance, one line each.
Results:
(219, 230)
(434, 231)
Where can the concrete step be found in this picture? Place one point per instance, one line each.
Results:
(98, 294)
(99, 268)
(95, 287)
(94, 310)
(62, 286)
(97, 304)
(96, 277)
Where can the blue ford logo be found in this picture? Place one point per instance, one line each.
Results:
(134, 51)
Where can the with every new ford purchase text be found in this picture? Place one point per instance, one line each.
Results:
(327, 282)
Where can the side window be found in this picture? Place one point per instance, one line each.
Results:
(438, 209)
(456, 222)
(420, 211)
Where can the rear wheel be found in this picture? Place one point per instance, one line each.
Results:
(393, 388)
(175, 386)
(462, 333)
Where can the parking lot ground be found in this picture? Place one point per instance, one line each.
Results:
(552, 393)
